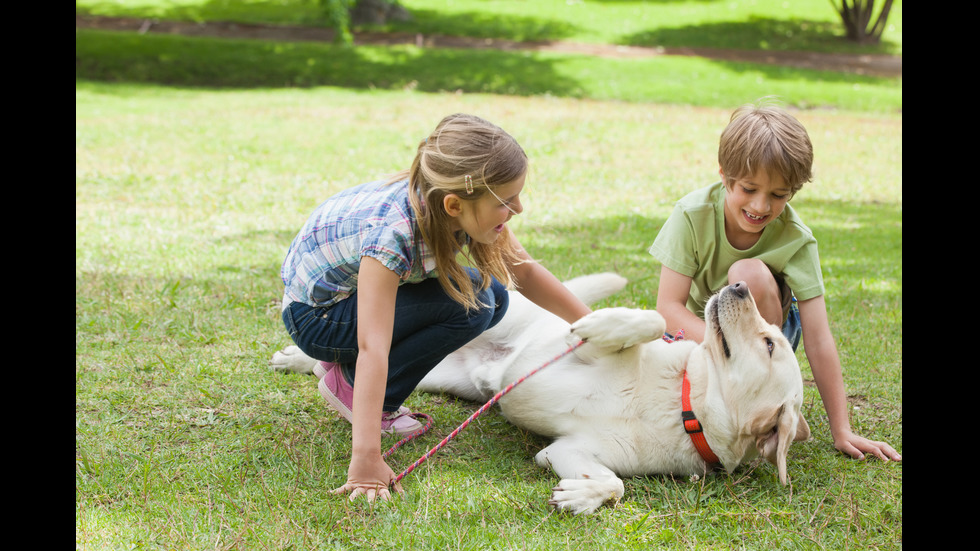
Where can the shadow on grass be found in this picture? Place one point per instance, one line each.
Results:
(223, 63)
(208, 62)
(186, 332)
(860, 248)
(486, 25)
(474, 24)
(760, 33)
(861, 258)
(276, 12)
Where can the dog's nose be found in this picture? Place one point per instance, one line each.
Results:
(740, 288)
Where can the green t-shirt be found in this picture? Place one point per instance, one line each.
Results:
(693, 243)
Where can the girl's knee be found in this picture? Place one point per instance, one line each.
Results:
(495, 300)
(500, 299)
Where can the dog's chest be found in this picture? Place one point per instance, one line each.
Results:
(579, 397)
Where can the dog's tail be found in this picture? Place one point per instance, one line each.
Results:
(595, 287)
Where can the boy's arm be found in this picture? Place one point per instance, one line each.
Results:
(821, 352)
(672, 305)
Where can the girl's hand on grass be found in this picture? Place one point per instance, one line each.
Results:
(372, 478)
(856, 446)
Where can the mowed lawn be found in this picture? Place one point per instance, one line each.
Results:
(187, 196)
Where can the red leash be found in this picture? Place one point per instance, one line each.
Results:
(476, 414)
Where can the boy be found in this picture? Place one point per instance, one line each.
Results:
(742, 229)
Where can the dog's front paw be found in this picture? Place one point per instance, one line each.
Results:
(292, 359)
(582, 496)
(619, 328)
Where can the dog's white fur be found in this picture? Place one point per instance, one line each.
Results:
(613, 407)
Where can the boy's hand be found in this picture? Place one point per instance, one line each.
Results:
(856, 446)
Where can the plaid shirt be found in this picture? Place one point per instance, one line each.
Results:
(371, 219)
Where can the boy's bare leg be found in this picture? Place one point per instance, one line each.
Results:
(763, 286)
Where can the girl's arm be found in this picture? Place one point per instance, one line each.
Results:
(821, 352)
(544, 289)
(368, 474)
(672, 296)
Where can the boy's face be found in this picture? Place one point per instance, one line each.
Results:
(752, 202)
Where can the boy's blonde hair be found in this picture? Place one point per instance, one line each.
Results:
(762, 135)
(463, 145)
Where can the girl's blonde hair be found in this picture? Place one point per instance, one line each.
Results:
(762, 135)
(463, 145)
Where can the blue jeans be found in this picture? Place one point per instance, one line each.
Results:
(429, 325)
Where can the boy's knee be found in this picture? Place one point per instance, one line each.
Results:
(753, 272)
(761, 282)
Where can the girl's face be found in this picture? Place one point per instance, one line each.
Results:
(751, 203)
(484, 219)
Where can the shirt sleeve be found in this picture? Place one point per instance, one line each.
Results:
(389, 246)
(675, 246)
(803, 274)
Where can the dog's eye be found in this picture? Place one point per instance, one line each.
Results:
(770, 345)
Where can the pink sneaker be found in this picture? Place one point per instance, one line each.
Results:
(399, 423)
(334, 388)
(340, 395)
(320, 368)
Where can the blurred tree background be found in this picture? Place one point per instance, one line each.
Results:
(342, 14)
(861, 23)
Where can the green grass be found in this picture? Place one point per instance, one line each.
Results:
(211, 62)
(806, 25)
(185, 203)
(187, 195)
(206, 62)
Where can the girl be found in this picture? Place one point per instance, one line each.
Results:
(376, 292)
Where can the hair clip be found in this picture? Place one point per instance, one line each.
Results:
(468, 182)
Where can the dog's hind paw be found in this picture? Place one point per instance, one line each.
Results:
(292, 359)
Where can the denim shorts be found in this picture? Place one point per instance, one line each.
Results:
(792, 327)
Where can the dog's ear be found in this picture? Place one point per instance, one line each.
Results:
(802, 430)
(774, 431)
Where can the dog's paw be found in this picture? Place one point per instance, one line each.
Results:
(619, 328)
(583, 496)
(292, 359)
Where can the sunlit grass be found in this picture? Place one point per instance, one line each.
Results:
(187, 196)
(806, 25)
(186, 200)
(212, 62)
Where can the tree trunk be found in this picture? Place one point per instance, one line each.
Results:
(377, 12)
(856, 15)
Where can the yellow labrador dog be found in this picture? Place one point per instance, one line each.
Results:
(627, 402)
